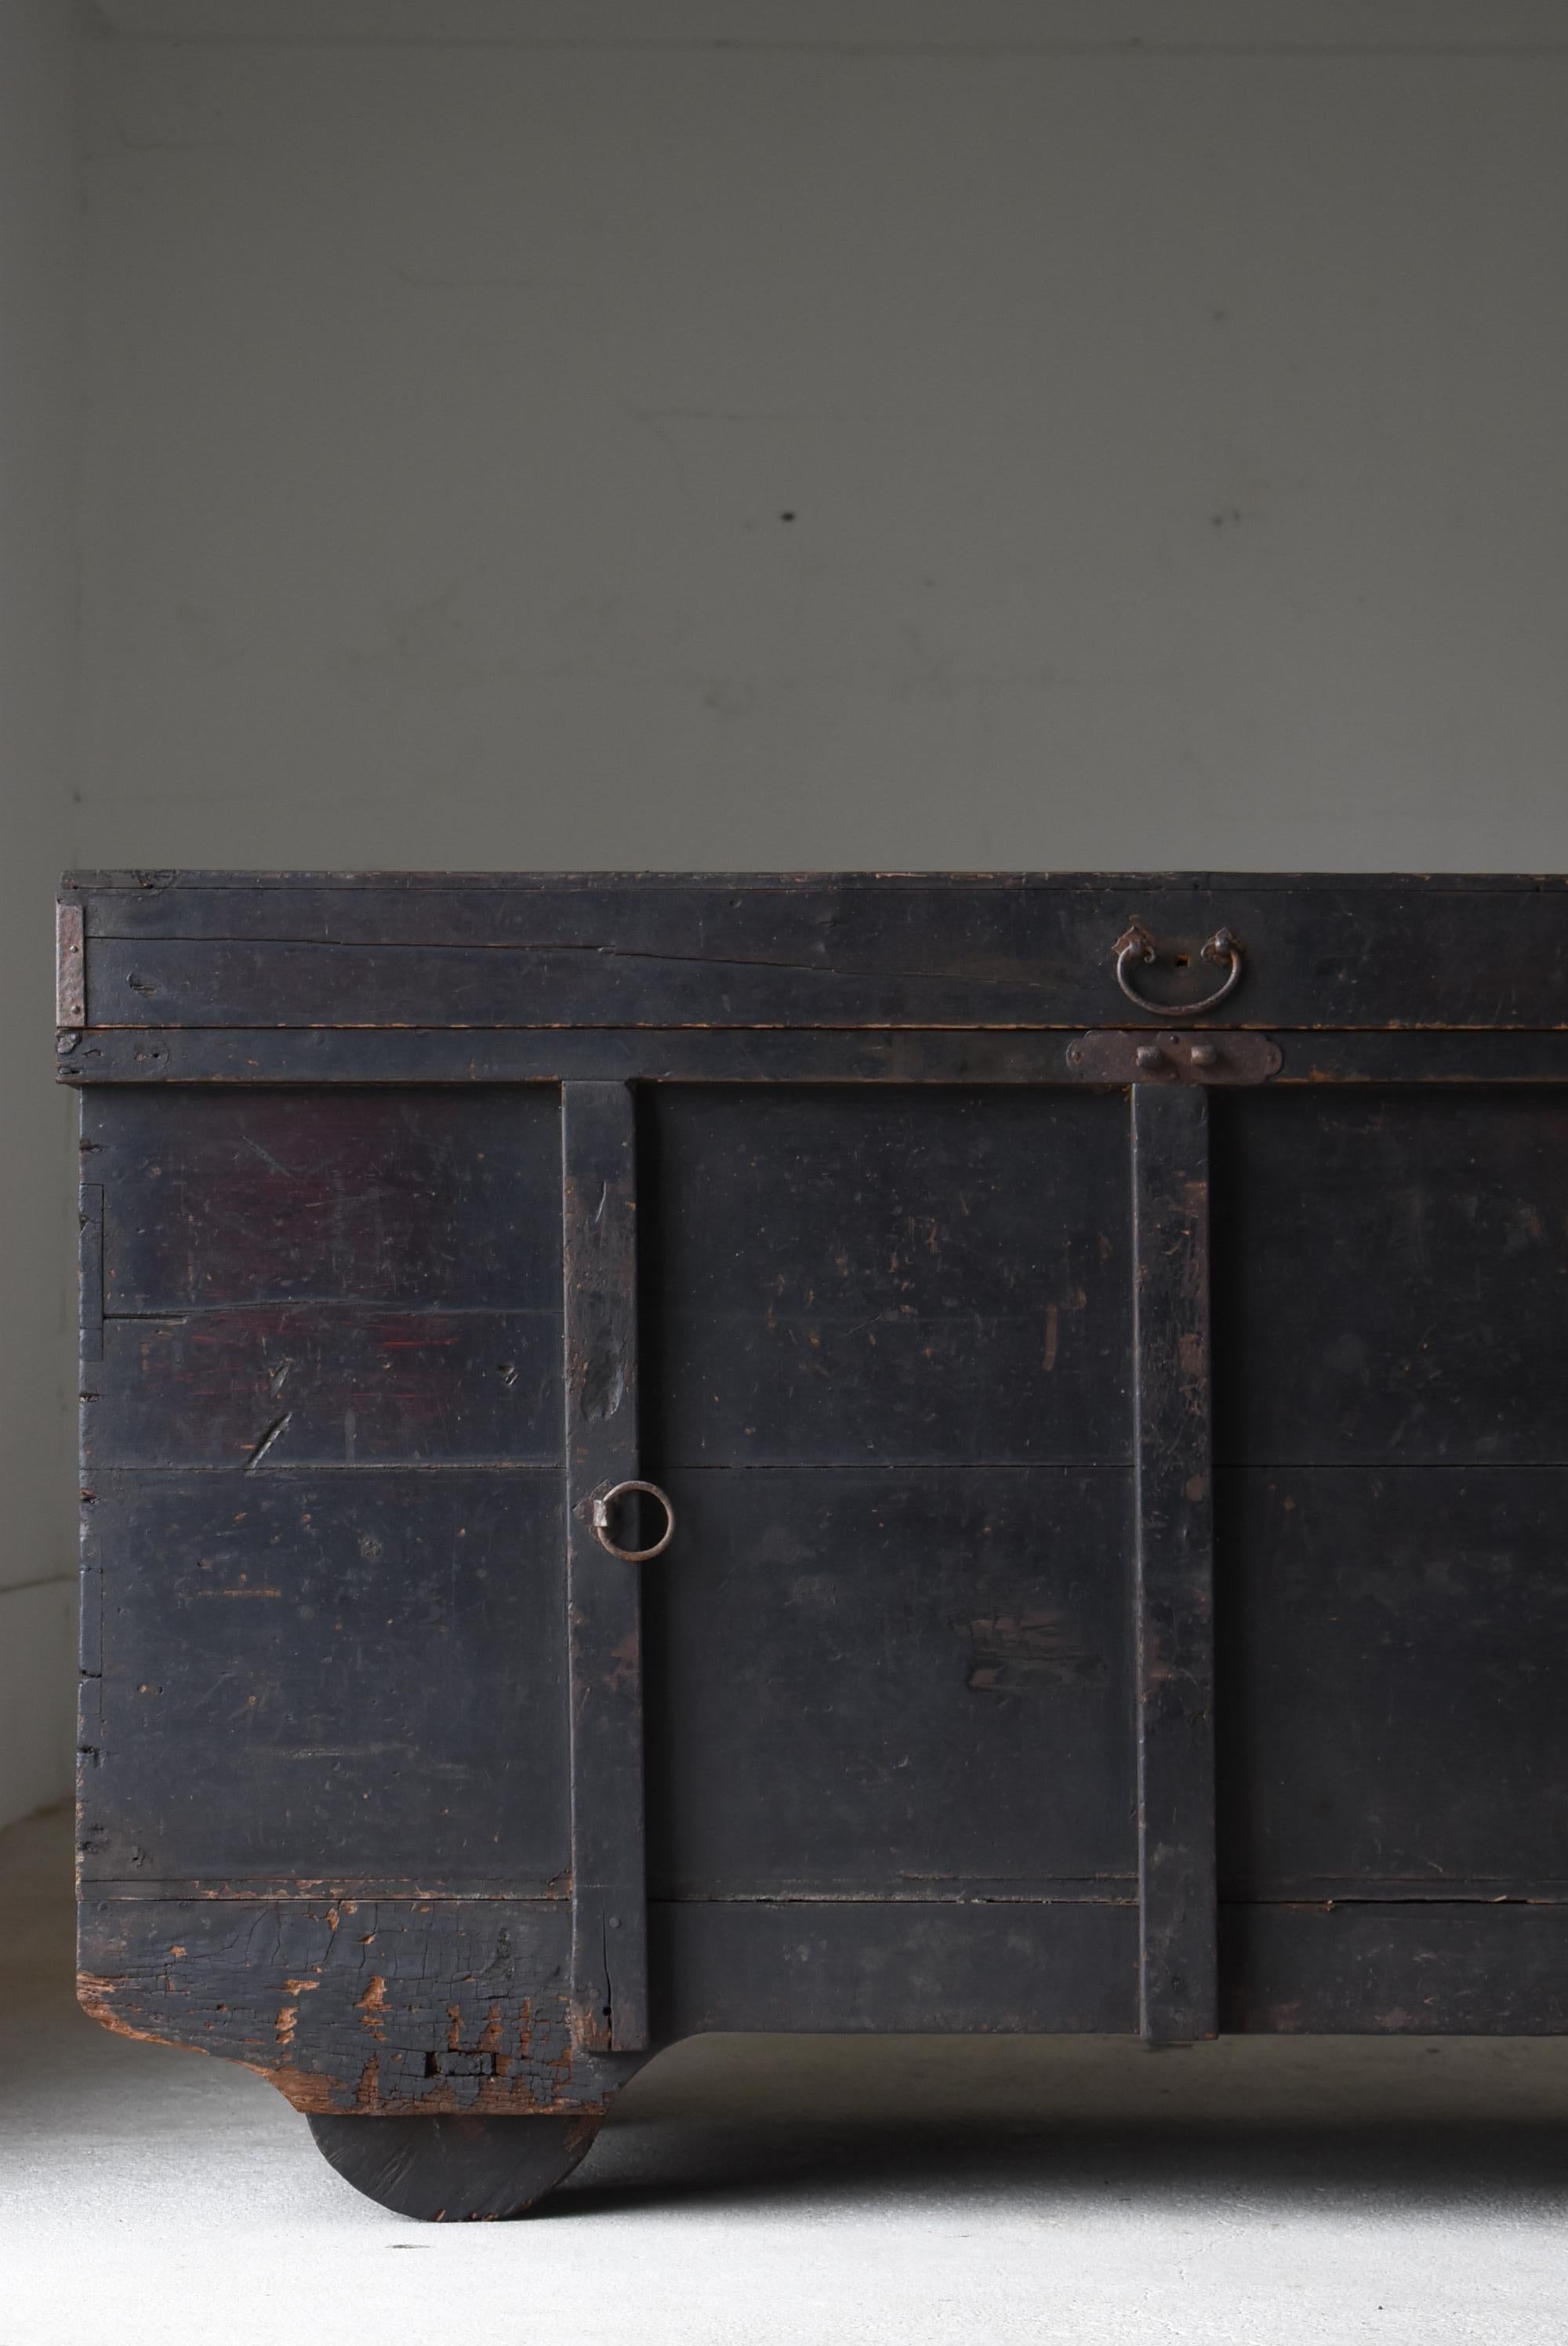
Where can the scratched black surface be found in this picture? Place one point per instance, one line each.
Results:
(821, 950)
(405, 1199)
(306, 1279)
(334, 1674)
(870, 1683)
(1393, 1680)
(1396, 1262)
(834, 1276)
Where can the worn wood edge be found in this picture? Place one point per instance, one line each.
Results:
(150, 881)
(865, 1967)
(976, 1055)
(1379, 1968)
(1174, 1564)
(338, 2035)
(600, 1374)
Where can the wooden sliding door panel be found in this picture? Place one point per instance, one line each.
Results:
(901, 1685)
(905, 1275)
(1391, 1276)
(887, 1338)
(1393, 1650)
(1392, 1557)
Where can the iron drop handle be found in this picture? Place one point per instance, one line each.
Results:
(1137, 948)
(599, 1516)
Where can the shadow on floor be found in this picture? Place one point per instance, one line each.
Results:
(1395, 2170)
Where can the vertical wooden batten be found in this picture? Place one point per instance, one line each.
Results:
(609, 1912)
(1175, 1564)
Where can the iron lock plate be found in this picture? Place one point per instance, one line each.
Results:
(1117, 1055)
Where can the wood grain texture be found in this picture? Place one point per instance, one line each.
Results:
(827, 950)
(407, 2007)
(982, 1967)
(298, 1280)
(1174, 1601)
(1393, 1656)
(271, 1389)
(920, 1685)
(364, 1057)
(399, 1199)
(838, 1276)
(1437, 1232)
(452, 2170)
(1396, 1970)
(90, 1271)
(609, 1956)
(329, 1676)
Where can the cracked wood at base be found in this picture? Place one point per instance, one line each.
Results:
(372, 2005)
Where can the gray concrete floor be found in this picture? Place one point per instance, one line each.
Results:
(869, 2192)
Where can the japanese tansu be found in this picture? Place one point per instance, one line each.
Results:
(834, 1454)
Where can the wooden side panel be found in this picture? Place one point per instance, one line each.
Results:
(90, 1271)
(391, 1198)
(1395, 1664)
(328, 1526)
(1175, 1565)
(400, 1199)
(1392, 1277)
(1393, 1605)
(277, 1387)
(297, 1279)
(350, 1675)
(905, 1685)
(898, 1277)
(609, 1912)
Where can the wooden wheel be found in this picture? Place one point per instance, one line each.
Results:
(453, 2170)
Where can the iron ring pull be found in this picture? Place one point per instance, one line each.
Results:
(599, 1516)
(1137, 947)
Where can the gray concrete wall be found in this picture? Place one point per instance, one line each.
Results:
(754, 433)
(920, 432)
(37, 1362)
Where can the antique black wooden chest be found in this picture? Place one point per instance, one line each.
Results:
(842, 1453)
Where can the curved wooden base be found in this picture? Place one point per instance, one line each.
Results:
(453, 2170)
